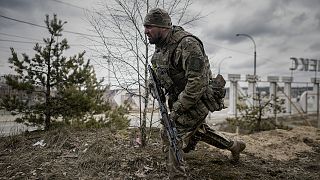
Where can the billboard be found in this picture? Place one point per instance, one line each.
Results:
(304, 64)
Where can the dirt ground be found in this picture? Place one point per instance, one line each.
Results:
(68, 153)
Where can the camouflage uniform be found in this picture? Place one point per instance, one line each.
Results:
(183, 69)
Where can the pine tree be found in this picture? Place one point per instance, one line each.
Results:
(52, 85)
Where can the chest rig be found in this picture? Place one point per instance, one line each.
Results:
(169, 69)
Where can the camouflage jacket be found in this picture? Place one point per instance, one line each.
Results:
(182, 67)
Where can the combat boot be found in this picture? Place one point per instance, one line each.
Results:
(236, 148)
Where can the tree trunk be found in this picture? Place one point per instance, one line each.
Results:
(146, 100)
(47, 121)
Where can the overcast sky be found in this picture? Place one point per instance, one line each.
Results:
(280, 28)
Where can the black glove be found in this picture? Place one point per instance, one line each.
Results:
(174, 116)
(176, 111)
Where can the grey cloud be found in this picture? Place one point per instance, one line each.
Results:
(211, 48)
(254, 28)
(16, 4)
(22, 10)
(283, 49)
(274, 20)
(7, 6)
(315, 46)
(34, 11)
(299, 19)
(259, 23)
(317, 17)
(311, 4)
(246, 63)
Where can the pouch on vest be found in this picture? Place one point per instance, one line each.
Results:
(215, 93)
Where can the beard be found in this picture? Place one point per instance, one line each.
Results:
(155, 40)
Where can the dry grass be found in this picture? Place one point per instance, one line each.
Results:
(71, 153)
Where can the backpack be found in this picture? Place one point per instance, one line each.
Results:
(214, 95)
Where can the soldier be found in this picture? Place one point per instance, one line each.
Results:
(183, 69)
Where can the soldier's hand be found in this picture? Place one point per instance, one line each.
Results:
(177, 110)
(174, 116)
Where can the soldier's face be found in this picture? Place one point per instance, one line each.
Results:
(154, 33)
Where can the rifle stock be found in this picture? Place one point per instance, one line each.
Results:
(165, 118)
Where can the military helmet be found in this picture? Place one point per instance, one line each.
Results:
(157, 17)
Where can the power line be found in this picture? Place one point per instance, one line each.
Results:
(228, 48)
(25, 22)
(84, 34)
(8, 49)
(25, 42)
(71, 32)
(72, 5)
(240, 52)
(11, 35)
(33, 42)
(36, 25)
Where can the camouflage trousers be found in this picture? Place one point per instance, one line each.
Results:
(191, 128)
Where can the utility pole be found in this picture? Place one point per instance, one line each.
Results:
(109, 64)
(221, 62)
(252, 80)
(254, 53)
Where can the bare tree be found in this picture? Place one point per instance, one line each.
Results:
(122, 40)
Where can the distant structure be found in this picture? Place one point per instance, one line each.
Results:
(299, 97)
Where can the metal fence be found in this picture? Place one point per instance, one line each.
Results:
(295, 98)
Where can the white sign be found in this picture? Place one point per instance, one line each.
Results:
(303, 64)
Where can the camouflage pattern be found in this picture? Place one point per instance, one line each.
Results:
(213, 97)
(184, 71)
(157, 17)
(212, 137)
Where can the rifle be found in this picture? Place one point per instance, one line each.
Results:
(165, 118)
